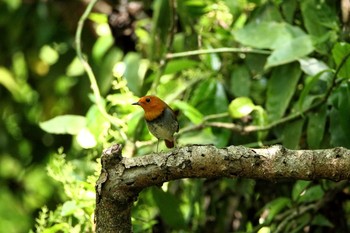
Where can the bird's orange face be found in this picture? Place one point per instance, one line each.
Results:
(152, 105)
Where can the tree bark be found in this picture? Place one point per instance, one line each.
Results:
(122, 179)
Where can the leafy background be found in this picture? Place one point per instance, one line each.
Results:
(246, 72)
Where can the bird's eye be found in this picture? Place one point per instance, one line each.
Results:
(148, 100)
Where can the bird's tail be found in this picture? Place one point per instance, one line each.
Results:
(169, 144)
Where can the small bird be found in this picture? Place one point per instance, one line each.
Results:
(160, 118)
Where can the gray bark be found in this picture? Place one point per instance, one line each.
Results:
(122, 179)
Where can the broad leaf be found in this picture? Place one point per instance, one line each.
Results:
(312, 66)
(132, 72)
(316, 127)
(290, 51)
(276, 206)
(280, 90)
(321, 220)
(240, 81)
(66, 124)
(340, 52)
(299, 187)
(169, 208)
(292, 133)
(311, 194)
(179, 65)
(339, 117)
(189, 111)
(288, 42)
(321, 22)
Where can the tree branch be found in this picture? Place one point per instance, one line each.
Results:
(122, 179)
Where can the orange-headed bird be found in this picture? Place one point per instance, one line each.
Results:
(160, 118)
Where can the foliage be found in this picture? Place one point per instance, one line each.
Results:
(245, 72)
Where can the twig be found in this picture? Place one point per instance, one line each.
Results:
(95, 89)
(217, 50)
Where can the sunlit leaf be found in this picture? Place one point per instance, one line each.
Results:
(133, 73)
(264, 35)
(241, 107)
(75, 68)
(179, 65)
(260, 119)
(101, 46)
(290, 51)
(66, 124)
(86, 139)
(312, 66)
(288, 42)
(69, 207)
(9, 82)
(189, 111)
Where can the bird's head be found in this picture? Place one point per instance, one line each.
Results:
(152, 105)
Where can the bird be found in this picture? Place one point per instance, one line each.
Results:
(160, 119)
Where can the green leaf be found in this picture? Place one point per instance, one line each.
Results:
(66, 124)
(264, 35)
(205, 90)
(69, 207)
(162, 15)
(280, 90)
(240, 81)
(289, 8)
(169, 208)
(321, 220)
(9, 82)
(132, 72)
(298, 188)
(341, 52)
(312, 84)
(178, 65)
(292, 134)
(189, 111)
(288, 42)
(311, 194)
(290, 51)
(105, 72)
(101, 47)
(260, 119)
(316, 127)
(276, 206)
(321, 21)
(312, 66)
(86, 139)
(241, 107)
(339, 116)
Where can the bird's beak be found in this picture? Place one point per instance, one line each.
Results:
(136, 103)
